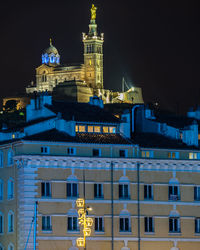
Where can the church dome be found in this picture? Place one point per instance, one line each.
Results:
(51, 50)
(50, 55)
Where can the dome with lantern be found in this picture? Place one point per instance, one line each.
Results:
(50, 55)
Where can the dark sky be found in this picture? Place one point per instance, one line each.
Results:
(155, 44)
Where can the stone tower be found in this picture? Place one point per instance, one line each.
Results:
(93, 54)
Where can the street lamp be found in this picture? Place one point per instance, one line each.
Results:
(84, 221)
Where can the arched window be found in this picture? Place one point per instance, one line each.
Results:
(44, 77)
(72, 220)
(10, 221)
(72, 187)
(124, 188)
(124, 221)
(1, 223)
(1, 159)
(1, 189)
(10, 189)
(174, 190)
(10, 158)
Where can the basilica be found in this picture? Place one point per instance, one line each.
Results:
(79, 82)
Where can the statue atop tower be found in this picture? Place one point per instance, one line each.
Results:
(93, 12)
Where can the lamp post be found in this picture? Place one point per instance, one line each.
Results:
(84, 221)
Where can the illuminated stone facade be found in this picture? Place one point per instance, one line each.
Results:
(89, 74)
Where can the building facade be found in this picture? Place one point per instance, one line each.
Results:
(144, 194)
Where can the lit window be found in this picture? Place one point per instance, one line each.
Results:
(147, 154)
(192, 156)
(90, 62)
(123, 153)
(174, 192)
(124, 191)
(99, 224)
(46, 223)
(10, 222)
(13, 136)
(148, 192)
(197, 225)
(1, 224)
(72, 190)
(76, 128)
(97, 129)
(148, 225)
(72, 223)
(197, 193)
(124, 224)
(112, 130)
(71, 151)
(1, 190)
(90, 129)
(44, 150)
(105, 129)
(171, 155)
(98, 190)
(81, 128)
(46, 189)
(10, 189)
(96, 152)
(174, 225)
(10, 158)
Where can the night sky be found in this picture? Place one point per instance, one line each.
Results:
(154, 44)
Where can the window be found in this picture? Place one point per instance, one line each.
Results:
(124, 224)
(46, 223)
(1, 223)
(174, 193)
(10, 158)
(44, 77)
(197, 193)
(1, 190)
(124, 191)
(112, 130)
(174, 225)
(197, 225)
(123, 153)
(97, 129)
(99, 225)
(1, 159)
(10, 189)
(192, 156)
(96, 152)
(105, 129)
(72, 190)
(80, 128)
(71, 151)
(90, 129)
(173, 155)
(98, 190)
(148, 192)
(10, 222)
(44, 150)
(147, 154)
(46, 189)
(72, 223)
(148, 225)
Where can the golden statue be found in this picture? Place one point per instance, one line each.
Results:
(93, 12)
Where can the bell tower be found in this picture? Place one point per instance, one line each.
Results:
(93, 54)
